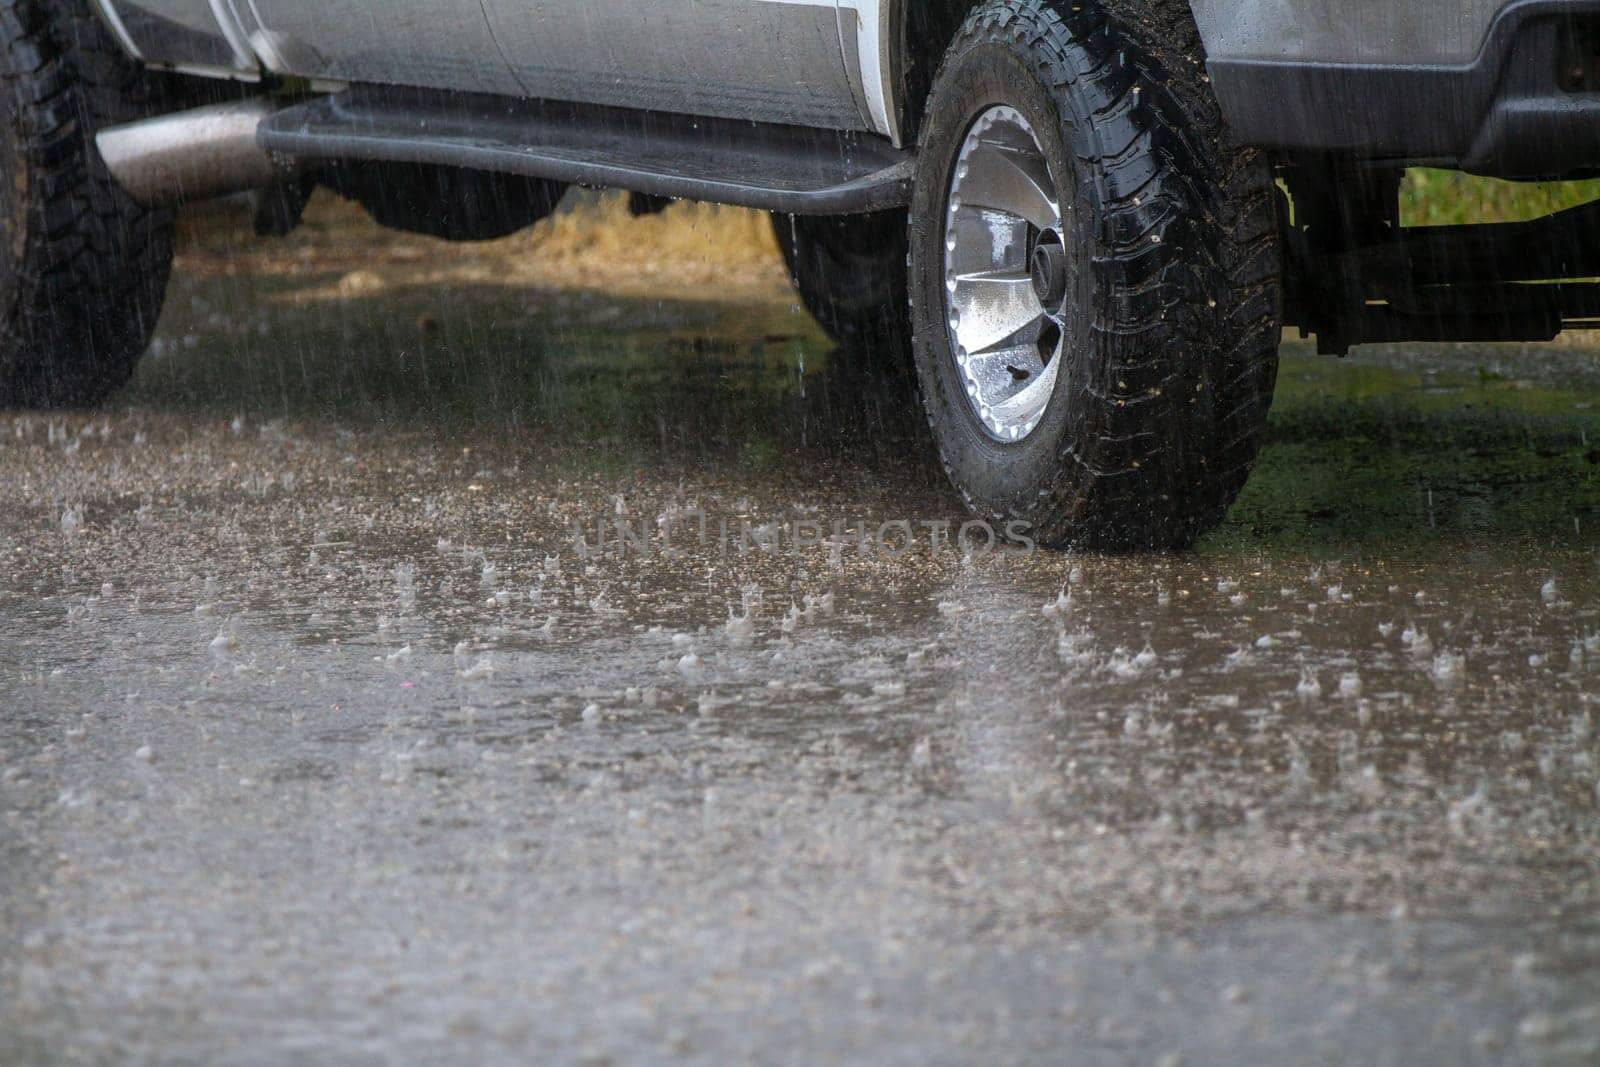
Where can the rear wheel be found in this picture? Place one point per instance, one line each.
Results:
(850, 272)
(83, 268)
(1094, 280)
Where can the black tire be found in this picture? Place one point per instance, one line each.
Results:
(850, 272)
(1172, 321)
(83, 269)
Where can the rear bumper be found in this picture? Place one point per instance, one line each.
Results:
(1513, 111)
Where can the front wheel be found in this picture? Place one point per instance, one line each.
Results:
(1094, 280)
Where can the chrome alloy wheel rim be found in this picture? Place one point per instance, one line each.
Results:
(1006, 274)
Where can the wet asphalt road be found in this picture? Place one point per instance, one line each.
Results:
(324, 739)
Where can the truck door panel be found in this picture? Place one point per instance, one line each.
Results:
(770, 60)
(436, 44)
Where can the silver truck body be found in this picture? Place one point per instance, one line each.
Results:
(821, 63)
(827, 63)
(1347, 31)
(1484, 85)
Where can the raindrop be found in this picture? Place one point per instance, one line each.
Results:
(479, 671)
(1473, 806)
(225, 641)
(405, 584)
(1448, 668)
(741, 629)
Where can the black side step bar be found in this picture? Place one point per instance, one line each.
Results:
(776, 168)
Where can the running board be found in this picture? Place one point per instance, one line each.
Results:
(776, 168)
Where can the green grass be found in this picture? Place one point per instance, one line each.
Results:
(1430, 197)
(1445, 198)
(1363, 453)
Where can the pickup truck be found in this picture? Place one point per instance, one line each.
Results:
(1085, 223)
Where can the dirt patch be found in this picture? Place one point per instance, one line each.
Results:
(701, 250)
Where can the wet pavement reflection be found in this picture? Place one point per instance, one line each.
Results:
(333, 730)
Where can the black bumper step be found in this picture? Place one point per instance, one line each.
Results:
(1517, 110)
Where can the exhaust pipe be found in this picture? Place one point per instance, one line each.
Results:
(193, 155)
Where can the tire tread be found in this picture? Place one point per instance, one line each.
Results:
(82, 287)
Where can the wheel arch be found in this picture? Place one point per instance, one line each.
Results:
(916, 34)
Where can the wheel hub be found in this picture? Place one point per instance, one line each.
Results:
(1006, 274)
(1049, 268)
